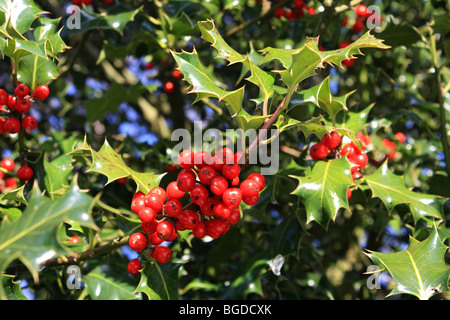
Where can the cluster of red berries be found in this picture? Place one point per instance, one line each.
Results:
(358, 23)
(8, 165)
(331, 145)
(15, 106)
(295, 11)
(88, 2)
(215, 193)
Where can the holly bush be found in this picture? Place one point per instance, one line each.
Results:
(351, 101)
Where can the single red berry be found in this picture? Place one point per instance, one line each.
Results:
(4, 97)
(361, 10)
(12, 102)
(12, 125)
(218, 185)
(21, 90)
(280, 13)
(173, 208)
(356, 175)
(200, 230)
(188, 219)
(388, 144)
(239, 158)
(169, 87)
(234, 216)
(359, 159)
(318, 151)
(400, 136)
(154, 201)
(162, 254)
(8, 164)
(171, 168)
(165, 230)
(147, 214)
(235, 181)
(41, 92)
(331, 140)
(29, 123)
(74, 239)
(185, 182)
(173, 192)
(199, 194)
(25, 173)
(231, 171)
(232, 197)
(358, 26)
(186, 159)
(349, 193)
(137, 241)
(154, 239)
(207, 208)
(250, 200)
(259, 178)
(176, 74)
(134, 266)
(202, 158)
(22, 105)
(159, 191)
(249, 188)
(349, 62)
(121, 181)
(149, 66)
(348, 150)
(138, 203)
(10, 182)
(221, 210)
(206, 174)
(149, 227)
(2, 126)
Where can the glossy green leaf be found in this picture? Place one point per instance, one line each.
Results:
(31, 239)
(12, 288)
(35, 70)
(20, 14)
(392, 191)
(159, 281)
(107, 162)
(114, 20)
(323, 191)
(419, 270)
(107, 283)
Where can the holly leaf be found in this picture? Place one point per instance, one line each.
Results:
(391, 190)
(12, 288)
(308, 127)
(419, 270)
(323, 190)
(107, 162)
(159, 281)
(31, 239)
(35, 70)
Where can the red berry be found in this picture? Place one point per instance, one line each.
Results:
(134, 266)
(25, 173)
(173, 192)
(185, 182)
(359, 159)
(188, 219)
(159, 191)
(149, 227)
(21, 90)
(221, 210)
(218, 185)
(348, 62)
(215, 228)
(356, 175)
(171, 168)
(199, 194)
(137, 241)
(138, 202)
(202, 158)
(280, 13)
(147, 214)
(232, 197)
(8, 164)
(162, 254)
(361, 10)
(332, 140)
(22, 105)
(249, 188)
(165, 230)
(259, 178)
(155, 201)
(231, 171)
(349, 193)
(206, 174)
(200, 230)
(250, 200)
(348, 150)
(74, 239)
(10, 182)
(176, 74)
(358, 26)
(41, 92)
(12, 102)
(4, 97)
(169, 87)
(154, 239)
(12, 125)
(173, 208)
(186, 159)
(319, 151)
(400, 136)
(149, 66)
(29, 123)
(234, 216)
(207, 208)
